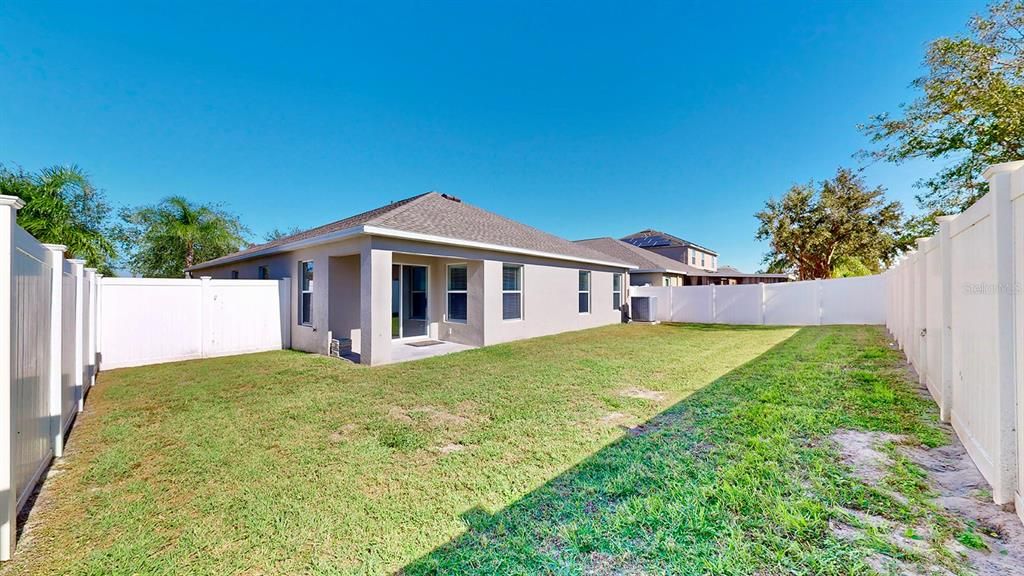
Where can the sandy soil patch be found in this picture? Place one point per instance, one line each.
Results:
(959, 489)
(644, 394)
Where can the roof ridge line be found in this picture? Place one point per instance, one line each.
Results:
(376, 220)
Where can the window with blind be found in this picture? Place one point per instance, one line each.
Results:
(616, 291)
(458, 295)
(584, 292)
(511, 292)
(306, 292)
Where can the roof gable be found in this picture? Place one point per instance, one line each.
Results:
(440, 217)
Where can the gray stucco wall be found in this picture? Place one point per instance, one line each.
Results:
(341, 303)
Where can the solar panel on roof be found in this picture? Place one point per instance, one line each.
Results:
(649, 241)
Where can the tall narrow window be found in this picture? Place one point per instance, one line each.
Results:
(234, 274)
(458, 283)
(263, 273)
(616, 291)
(584, 292)
(306, 292)
(511, 292)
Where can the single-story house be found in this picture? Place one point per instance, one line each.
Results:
(652, 269)
(731, 275)
(431, 267)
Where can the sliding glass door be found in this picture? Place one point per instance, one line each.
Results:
(408, 301)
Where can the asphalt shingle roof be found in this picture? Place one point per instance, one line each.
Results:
(641, 258)
(672, 240)
(436, 214)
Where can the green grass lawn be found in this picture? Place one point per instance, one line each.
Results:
(618, 450)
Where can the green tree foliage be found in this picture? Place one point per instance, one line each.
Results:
(848, 266)
(277, 233)
(970, 111)
(164, 239)
(816, 226)
(63, 207)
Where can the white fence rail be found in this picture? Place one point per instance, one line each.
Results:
(837, 301)
(153, 320)
(955, 309)
(47, 359)
(64, 321)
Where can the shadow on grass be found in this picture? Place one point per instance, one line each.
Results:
(732, 479)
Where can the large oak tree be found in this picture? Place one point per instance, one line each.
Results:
(817, 227)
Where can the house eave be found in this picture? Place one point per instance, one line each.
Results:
(429, 238)
(404, 235)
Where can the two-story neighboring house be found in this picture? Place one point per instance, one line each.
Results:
(675, 248)
(699, 264)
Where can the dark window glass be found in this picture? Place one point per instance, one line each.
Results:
(457, 278)
(307, 306)
(584, 302)
(457, 306)
(511, 277)
(512, 305)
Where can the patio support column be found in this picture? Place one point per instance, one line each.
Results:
(375, 306)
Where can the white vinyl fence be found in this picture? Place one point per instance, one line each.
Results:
(858, 300)
(955, 309)
(47, 359)
(64, 322)
(153, 320)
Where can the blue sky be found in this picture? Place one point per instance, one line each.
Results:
(582, 119)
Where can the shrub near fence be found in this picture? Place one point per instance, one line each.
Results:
(809, 303)
(955, 309)
(47, 359)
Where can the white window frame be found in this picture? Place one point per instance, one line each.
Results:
(616, 276)
(587, 292)
(306, 290)
(522, 282)
(447, 290)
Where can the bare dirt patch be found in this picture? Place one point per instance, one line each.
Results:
(859, 451)
(396, 413)
(959, 490)
(643, 394)
(346, 432)
(601, 564)
(451, 448)
(614, 419)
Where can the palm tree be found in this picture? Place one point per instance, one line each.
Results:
(63, 207)
(166, 239)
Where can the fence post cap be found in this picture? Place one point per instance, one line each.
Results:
(14, 201)
(55, 247)
(1002, 168)
(945, 218)
(77, 261)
